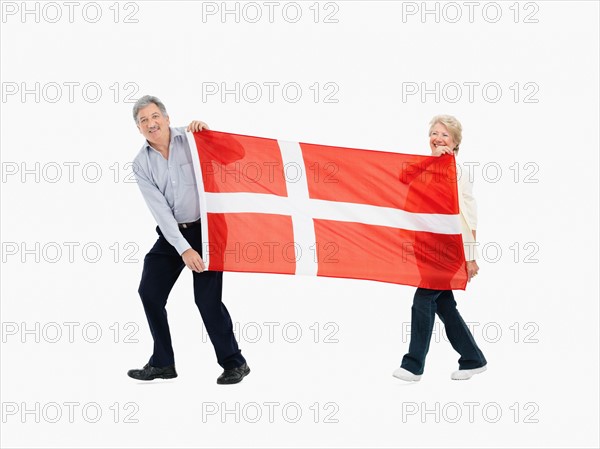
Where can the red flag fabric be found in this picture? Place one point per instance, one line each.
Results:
(272, 206)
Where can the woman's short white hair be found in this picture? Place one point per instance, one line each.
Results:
(452, 124)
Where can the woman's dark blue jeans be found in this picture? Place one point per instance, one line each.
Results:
(426, 304)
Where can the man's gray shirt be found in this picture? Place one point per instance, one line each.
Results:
(169, 187)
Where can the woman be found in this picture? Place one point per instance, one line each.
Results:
(445, 135)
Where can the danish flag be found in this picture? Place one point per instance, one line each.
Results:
(270, 206)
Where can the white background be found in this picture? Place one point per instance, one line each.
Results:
(536, 322)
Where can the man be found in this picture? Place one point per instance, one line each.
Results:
(165, 176)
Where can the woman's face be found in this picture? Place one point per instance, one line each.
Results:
(439, 136)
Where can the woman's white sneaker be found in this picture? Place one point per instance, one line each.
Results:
(406, 375)
(465, 374)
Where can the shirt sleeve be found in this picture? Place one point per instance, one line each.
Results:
(160, 209)
(468, 215)
(469, 243)
(470, 209)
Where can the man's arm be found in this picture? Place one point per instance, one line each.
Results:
(166, 221)
(160, 210)
(191, 257)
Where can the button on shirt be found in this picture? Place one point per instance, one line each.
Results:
(169, 187)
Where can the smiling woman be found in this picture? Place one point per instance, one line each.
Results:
(445, 135)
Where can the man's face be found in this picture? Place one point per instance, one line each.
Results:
(439, 136)
(152, 123)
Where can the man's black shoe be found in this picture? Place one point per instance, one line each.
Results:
(233, 376)
(152, 372)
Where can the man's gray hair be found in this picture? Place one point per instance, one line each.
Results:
(145, 101)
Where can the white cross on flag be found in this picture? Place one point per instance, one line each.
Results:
(270, 206)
